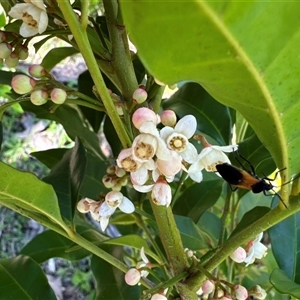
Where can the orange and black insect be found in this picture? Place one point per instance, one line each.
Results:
(241, 178)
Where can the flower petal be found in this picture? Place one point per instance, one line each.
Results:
(106, 210)
(187, 126)
(126, 206)
(190, 153)
(103, 223)
(143, 188)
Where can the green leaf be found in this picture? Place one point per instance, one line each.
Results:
(213, 118)
(283, 284)
(134, 241)
(54, 56)
(6, 77)
(196, 199)
(66, 178)
(26, 194)
(50, 157)
(51, 244)
(72, 121)
(111, 284)
(250, 66)
(22, 278)
(192, 237)
(285, 246)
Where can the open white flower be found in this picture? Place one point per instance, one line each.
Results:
(177, 138)
(255, 249)
(34, 17)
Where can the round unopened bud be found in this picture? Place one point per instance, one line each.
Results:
(2, 36)
(120, 172)
(22, 84)
(239, 255)
(240, 292)
(39, 97)
(23, 52)
(132, 276)
(168, 118)
(161, 193)
(108, 181)
(208, 286)
(12, 60)
(139, 96)
(5, 50)
(37, 71)
(142, 115)
(158, 297)
(226, 297)
(58, 96)
(83, 205)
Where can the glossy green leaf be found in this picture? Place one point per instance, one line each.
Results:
(50, 157)
(22, 278)
(66, 177)
(285, 246)
(6, 77)
(26, 194)
(54, 56)
(191, 235)
(196, 199)
(213, 118)
(134, 241)
(72, 121)
(51, 244)
(283, 284)
(244, 54)
(110, 282)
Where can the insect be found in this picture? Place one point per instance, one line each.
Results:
(244, 179)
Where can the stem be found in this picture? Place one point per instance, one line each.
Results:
(270, 219)
(121, 57)
(84, 46)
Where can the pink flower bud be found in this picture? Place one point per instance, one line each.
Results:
(139, 96)
(5, 50)
(23, 52)
(161, 193)
(159, 297)
(132, 276)
(37, 71)
(22, 84)
(168, 118)
(208, 286)
(239, 255)
(58, 96)
(240, 292)
(39, 97)
(12, 60)
(142, 115)
(83, 205)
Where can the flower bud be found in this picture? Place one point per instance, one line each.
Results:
(23, 52)
(240, 292)
(120, 172)
(58, 96)
(257, 292)
(108, 181)
(83, 205)
(22, 84)
(159, 297)
(208, 286)
(161, 193)
(5, 50)
(238, 255)
(111, 170)
(168, 118)
(142, 115)
(12, 60)
(132, 276)
(139, 96)
(37, 71)
(39, 97)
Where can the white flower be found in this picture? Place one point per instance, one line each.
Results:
(255, 249)
(208, 158)
(34, 16)
(177, 138)
(133, 275)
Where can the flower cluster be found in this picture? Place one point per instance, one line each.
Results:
(102, 210)
(40, 91)
(156, 156)
(254, 249)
